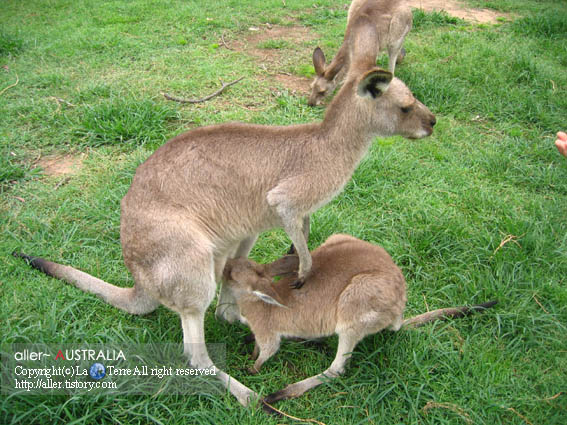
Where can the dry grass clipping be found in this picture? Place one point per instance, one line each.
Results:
(452, 407)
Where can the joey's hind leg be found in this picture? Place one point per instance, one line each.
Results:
(347, 342)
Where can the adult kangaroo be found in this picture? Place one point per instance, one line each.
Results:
(391, 20)
(205, 195)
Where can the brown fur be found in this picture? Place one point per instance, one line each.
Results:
(355, 290)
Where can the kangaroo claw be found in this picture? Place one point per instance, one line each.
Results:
(297, 284)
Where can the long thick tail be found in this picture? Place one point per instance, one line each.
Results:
(133, 300)
(446, 313)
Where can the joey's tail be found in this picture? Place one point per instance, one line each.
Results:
(133, 300)
(445, 313)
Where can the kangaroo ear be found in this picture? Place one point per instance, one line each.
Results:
(374, 82)
(242, 270)
(319, 61)
(268, 299)
(286, 265)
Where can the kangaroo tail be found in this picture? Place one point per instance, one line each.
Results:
(446, 313)
(133, 300)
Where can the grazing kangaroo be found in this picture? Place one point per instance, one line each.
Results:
(205, 195)
(355, 290)
(391, 21)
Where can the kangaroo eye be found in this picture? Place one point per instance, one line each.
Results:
(406, 109)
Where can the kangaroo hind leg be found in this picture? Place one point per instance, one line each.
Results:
(347, 342)
(190, 288)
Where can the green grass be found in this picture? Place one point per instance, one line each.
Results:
(429, 19)
(119, 120)
(9, 44)
(442, 206)
(274, 44)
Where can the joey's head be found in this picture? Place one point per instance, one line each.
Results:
(321, 85)
(391, 107)
(252, 282)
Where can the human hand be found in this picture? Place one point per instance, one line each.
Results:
(561, 143)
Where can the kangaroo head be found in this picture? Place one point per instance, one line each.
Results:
(390, 107)
(249, 281)
(321, 85)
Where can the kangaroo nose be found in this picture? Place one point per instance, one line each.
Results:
(433, 121)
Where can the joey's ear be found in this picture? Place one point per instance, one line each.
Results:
(319, 61)
(268, 299)
(242, 270)
(286, 265)
(374, 82)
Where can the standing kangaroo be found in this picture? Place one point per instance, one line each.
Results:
(356, 290)
(205, 195)
(391, 19)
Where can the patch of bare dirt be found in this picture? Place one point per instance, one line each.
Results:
(262, 44)
(61, 165)
(294, 83)
(459, 10)
(266, 33)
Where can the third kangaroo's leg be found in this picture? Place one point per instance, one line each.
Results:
(347, 342)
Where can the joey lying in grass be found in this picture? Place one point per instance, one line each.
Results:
(355, 290)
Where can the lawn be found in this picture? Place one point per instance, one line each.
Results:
(477, 211)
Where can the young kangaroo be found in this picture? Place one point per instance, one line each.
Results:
(391, 21)
(355, 290)
(205, 195)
